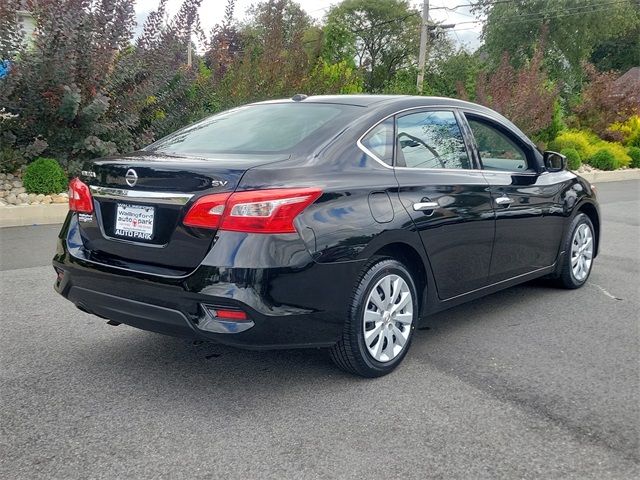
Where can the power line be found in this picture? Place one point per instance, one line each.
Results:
(567, 12)
(497, 2)
(523, 18)
(386, 22)
(586, 7)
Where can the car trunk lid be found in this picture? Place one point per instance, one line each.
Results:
(140, 201)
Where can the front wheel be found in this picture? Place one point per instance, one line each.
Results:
(579, 247)
(381, 321)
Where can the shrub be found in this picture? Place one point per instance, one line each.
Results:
(604, 160)
(628, 132)
(634, 153)
(617, 151)
(525, 96)
(579, 140)
(587, 144)
(44, 176)
(10, 160)
(604, 101)
(573, 158)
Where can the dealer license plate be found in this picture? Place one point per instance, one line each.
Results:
(134, 221)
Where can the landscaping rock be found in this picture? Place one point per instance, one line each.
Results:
(12, 199)
(47, 199)
(16, 184)
(18, 190)
(3, 193)
(59, 199)
(39, 197)
(3, 176)
(10, 176)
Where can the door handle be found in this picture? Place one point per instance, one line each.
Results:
(422, 206)
(504, 201)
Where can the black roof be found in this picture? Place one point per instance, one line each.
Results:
(366, 100)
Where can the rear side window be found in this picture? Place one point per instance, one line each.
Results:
(266, 128)
(430, 139)
(379, 141)
(497, 151)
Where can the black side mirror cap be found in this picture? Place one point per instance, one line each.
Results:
(554, 162)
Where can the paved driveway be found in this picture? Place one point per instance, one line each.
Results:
(531, 382)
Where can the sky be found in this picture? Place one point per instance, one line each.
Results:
(212, 11)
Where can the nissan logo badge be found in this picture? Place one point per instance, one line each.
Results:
(131, 177)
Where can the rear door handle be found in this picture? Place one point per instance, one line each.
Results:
(425, 206)
(504, 201)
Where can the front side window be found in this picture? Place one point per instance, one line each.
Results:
(379, 141)
(497, 151)
(430, 140)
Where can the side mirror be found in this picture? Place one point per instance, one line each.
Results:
(554, 162)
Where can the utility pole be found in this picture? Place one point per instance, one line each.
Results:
(424, 39)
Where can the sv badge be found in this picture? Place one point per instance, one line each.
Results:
(219, 183)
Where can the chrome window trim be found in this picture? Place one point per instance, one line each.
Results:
(459, 170)
(140, 196)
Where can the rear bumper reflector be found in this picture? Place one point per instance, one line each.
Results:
(224, 320)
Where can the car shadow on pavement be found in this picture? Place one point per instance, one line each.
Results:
(153, 362)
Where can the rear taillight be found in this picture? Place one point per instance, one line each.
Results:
(80, 197)
(257, 211)
(207, 211)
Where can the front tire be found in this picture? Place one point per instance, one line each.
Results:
(579, 247)
(380, 323)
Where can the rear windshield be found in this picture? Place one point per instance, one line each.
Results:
(263, 128)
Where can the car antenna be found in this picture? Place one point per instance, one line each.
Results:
(298, 97)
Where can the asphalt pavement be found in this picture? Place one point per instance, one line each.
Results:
(531, 382)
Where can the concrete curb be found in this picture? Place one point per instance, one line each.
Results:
(24, 215)
(614, 176)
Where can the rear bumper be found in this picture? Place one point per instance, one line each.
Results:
(290, 306)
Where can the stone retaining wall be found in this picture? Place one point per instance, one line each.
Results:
(12, 192)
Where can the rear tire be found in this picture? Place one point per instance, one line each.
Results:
(381, 319)
(579, 248)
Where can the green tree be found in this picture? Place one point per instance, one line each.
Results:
(274, 62)
(333, 78)
(453, 75)
(618, 53)
(573, 30)
(380, 37)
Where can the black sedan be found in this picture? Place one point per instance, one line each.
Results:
(340, 222)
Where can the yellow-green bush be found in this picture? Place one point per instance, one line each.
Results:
(580, 140)
(587, 144)
(629, 131)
